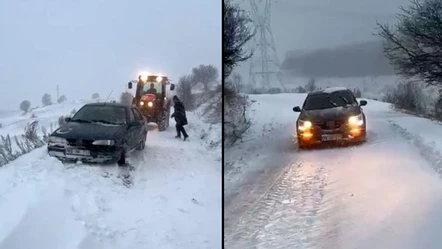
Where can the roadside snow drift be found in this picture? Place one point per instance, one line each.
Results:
(168, 197)
(385, 193)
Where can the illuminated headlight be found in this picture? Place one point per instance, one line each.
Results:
(141, 103)
(104, 142)
(304, 125)
(57, 140)
(144, 76)
(150, 104)
(356, 120)
(159, 79)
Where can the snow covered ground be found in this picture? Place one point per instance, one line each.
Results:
(14, 122)
(169, 196)
(386, 193)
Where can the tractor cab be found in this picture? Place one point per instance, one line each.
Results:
(152, 98)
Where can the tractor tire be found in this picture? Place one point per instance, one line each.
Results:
(163, 122)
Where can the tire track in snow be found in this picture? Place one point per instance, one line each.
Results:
(293, 200)
(293, 225)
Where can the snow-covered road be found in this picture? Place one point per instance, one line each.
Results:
(169, 197)
(385, 193)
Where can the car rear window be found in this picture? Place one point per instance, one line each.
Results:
(106, 114)
(329, 100)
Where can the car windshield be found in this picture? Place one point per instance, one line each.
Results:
(329, 100)
(101, 114)
(152, 87)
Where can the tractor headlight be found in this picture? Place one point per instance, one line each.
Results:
(57, 140)
(104, 142)
(159, 79)
(143, 76)
(141, 103)
(356, 120)
(150, 104)
(304, 125)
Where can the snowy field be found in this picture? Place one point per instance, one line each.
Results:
(386, 193)
(169, 196)
(14, 122)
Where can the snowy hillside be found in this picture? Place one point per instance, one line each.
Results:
(371, 87)
(168, 197)
(385, 193)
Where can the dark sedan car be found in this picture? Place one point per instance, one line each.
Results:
(99, 132)
(332, 114)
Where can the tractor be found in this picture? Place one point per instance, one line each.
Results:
(152, 98)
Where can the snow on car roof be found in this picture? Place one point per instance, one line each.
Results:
(334, 89)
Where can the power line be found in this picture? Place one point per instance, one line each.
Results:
(265, 63)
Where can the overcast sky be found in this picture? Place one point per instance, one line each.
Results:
(89, 46)
(310, 24)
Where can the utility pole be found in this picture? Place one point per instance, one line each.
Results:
(264, 63)
(58, 93)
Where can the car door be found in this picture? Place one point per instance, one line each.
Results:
(140, 129)
(132, 138)
(142, 119)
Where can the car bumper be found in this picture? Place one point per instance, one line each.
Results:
(96, 154)
(318, 136)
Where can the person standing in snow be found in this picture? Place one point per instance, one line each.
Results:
(180, 117)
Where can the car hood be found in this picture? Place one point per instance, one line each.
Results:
(336, 113)
(88, 131)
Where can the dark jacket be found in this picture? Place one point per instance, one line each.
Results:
(179, 113)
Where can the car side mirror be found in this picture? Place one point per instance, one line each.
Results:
(67, 119)
(363, 102)
(129, 85)
(297, 109)
(172, 87)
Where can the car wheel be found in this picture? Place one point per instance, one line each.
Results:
(301, 145)
(142, 144)
(122, 160)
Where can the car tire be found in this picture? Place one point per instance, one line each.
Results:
(363, 139)
(301, 145)
(122, 160)
(142, 144)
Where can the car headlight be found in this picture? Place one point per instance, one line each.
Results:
(150, 104)
(304, 125)
(57, 140)
(104, 142)
(356, 120)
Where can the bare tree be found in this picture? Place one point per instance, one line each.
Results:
(184, 91)
(95, 96)
(311, 85)
(237, 82)
(236, 33)
(62, 99)
(205, 74)
(414, 45)
(46, 99)
(25, 105)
